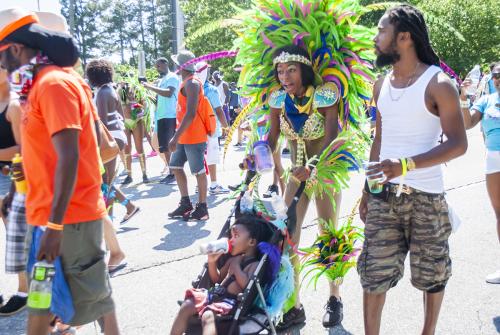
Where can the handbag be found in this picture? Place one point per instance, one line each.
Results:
(108, 148)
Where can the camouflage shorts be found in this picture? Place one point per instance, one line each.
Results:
(417, 223)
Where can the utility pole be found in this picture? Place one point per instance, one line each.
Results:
(178, 26)
(71, 16)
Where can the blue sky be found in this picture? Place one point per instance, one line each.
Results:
(45, 5)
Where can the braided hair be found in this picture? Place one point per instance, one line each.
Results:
(406, 18)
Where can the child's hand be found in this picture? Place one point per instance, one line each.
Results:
(212, 258)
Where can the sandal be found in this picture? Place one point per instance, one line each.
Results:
(112, 269)
(67, 331)
(127, 217)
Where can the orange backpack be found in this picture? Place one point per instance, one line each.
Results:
(205, 110)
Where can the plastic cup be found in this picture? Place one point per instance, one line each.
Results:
(264, 162)
(375, 180)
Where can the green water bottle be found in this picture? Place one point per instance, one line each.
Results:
(40, 294)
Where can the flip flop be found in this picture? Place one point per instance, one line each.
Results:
(69, 331)
(127, 217)
(112, 269)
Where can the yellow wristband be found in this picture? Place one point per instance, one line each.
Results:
(404, 166)
(55, 226)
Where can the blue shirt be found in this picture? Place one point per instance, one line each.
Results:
(489, 106)
(212, 95)
(167, 107)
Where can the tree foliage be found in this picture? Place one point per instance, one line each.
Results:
(198, 14)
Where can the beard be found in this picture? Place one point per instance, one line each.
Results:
(384, 59)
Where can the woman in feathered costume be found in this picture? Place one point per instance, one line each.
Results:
(310, 62)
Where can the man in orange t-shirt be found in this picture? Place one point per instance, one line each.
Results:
(62, 166)
(189, 142)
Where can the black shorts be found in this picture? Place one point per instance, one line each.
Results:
(166, 130)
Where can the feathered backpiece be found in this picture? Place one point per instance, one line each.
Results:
(341, 51)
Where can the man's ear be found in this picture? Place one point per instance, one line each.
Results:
(16, 49)
(253, 242)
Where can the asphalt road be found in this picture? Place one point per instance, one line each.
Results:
(163, 258)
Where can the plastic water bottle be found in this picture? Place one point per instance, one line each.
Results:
(474, 75)
(221, 246)
(279, 207)
(264, 162)
(246, 203)
(40, 294)
(18, 175)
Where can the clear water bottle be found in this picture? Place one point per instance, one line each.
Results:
(279, 207)
(264, 162)
(474, 76)
(40, 294)
(246, 203)
(221, 246)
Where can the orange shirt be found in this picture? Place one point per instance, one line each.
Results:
(57, 101)
(196, 132)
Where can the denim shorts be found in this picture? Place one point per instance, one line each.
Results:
(194, 154)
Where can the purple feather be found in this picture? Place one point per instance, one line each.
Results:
(299, 37)
(273, 258)
(266, 40)
(211, 57)
(363, 74)
(283, 8)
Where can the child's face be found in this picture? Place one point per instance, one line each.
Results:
(241, 240)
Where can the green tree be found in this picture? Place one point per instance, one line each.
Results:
(198, 14)
(477, 21)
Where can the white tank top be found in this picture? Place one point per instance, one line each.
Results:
(222, 94)
(409, 129)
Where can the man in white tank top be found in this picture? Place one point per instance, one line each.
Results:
(415, 102)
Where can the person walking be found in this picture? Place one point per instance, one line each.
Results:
(416, 102)
(64, 201)
(165, 117)
(189, 142)
(486, 111)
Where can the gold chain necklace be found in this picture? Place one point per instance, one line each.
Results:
(405, 88)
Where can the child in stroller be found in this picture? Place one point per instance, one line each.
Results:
(247, 235)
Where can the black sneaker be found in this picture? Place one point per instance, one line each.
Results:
(13, 306)
(1, 300)
(127, 180)
(295, 316)
(183, 211)
(334, 312)
(285, 151)
(234, 187)
(200, 213)
(237, 145)
(168, 179)
(145, 179)
(271, 190)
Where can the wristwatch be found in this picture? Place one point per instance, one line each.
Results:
(410, 163)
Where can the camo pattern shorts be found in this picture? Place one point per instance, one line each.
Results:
(417, 223)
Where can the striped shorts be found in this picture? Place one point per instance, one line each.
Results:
(15, 252)
(417, 224)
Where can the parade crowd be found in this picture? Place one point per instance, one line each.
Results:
(65, 138)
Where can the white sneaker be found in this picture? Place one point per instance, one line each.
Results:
(218, 189)
(493, 278)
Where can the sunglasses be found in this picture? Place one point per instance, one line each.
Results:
(495, 75)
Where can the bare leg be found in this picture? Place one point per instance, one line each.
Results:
(208, 323)
(110, 324)
(115, 251)
(492, 183)
(432, 306)
(373, 304)
(181, 320)
(22, 285)
(326, 212)
(138, 134)
(127, 153)
(212, 170)
(201, 179)
(180, 177)
(302, 205)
